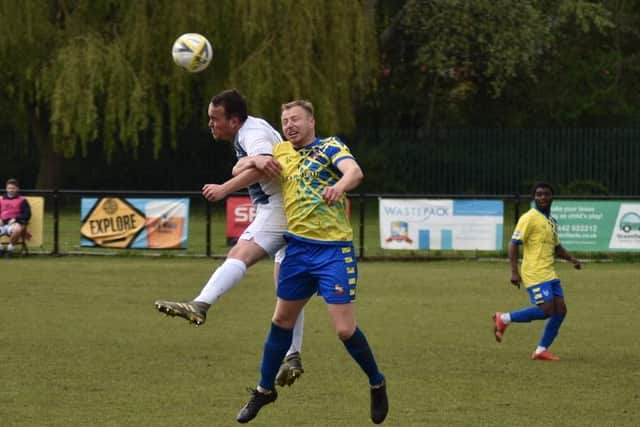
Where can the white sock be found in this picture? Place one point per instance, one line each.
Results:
(222, 280)
(10, 247)
(540, 349)
(506, 318)
(296, 342)
(263, 390)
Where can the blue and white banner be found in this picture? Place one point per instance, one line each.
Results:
(441, 224)
(114, 222)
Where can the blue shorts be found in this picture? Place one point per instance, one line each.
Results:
(310, 268)
(545, 291)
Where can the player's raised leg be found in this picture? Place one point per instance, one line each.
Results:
(291, 367)
(244, 254)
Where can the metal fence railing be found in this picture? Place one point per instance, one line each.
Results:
(499, 161)
(435, 161)
(207, 223)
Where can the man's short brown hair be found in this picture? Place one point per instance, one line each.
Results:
(306, 105)
(233, 103)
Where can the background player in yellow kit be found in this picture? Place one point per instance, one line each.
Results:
(537, 233)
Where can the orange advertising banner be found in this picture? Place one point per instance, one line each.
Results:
(115, 222)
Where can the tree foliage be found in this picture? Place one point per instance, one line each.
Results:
(457, 49)
(590, 79)
(101, 70)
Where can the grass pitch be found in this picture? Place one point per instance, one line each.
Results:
(81, 345)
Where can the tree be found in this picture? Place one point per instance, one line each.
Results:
(81, 72)
(450, 52)
(589, 79)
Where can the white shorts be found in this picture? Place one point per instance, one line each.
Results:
(279, 256)
(267, 228)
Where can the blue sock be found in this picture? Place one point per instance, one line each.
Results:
(359, 349)
(527, 314)
(551, 330)
(275, 347)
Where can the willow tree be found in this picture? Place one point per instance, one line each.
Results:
(82, 72)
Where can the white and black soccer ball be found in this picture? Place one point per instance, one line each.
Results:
(192, 52)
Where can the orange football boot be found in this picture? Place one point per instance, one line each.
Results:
(545, 355)
(498, 326)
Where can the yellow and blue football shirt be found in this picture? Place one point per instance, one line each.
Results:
(538, 235)
(306, 172)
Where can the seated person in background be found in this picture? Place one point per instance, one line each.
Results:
(15, 213)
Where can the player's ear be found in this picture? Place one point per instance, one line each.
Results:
(235, 122)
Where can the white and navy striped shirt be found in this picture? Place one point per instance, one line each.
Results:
(257, 137)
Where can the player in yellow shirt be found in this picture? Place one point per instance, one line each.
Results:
(537, 233)
(320, 259)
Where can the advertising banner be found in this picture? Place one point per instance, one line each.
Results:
(441, 224)
(113, 222)
(240, 213)
(598, 225)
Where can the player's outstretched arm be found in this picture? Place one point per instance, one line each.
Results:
(564, 254)
(267, 165)
(215, 192)
(351, 177)
(513, 251)
(242, 165)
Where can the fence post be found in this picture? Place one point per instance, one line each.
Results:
(362, 215)
(208, 232)
(56, 221)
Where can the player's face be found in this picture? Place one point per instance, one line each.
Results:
(12, 190)
(298, 126)
(222, 127)
(543, 198)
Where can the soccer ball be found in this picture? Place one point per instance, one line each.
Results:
(192, 52)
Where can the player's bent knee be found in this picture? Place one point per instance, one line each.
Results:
(283, 322)
(284, 318)
(548, 308)
(345, 333)
(247, 251)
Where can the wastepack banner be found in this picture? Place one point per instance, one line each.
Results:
(598, 225)
(441, 224)
(114, 222)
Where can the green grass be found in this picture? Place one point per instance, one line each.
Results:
(83, 346)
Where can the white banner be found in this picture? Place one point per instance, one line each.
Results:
(441, 224)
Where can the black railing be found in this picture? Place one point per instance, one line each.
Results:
(205, 217)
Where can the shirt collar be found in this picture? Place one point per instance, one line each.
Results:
(545, 215)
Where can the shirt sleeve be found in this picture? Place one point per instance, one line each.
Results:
(520, 234)
(257, 142)
(338, 151)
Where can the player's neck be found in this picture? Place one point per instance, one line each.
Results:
(546, 211)
(306, 142)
